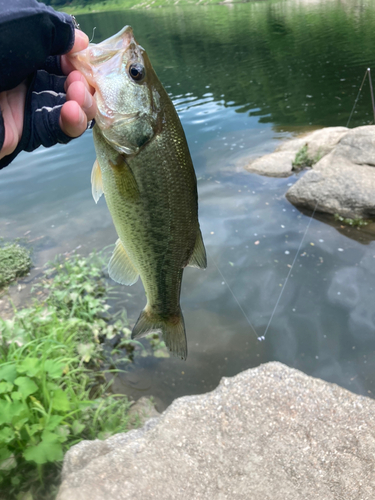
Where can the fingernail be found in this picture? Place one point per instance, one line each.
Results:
(88, 100)
(82, 118)
(80, 34)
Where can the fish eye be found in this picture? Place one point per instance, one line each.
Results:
(137, 72)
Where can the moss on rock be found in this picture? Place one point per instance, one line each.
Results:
(303, 159)
(15, 262)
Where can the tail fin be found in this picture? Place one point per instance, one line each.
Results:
(173, 330)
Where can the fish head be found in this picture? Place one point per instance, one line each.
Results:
(126, 90)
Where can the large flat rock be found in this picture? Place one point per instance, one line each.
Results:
(280, 162)
(269, 433)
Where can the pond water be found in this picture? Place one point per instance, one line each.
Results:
(243, 77)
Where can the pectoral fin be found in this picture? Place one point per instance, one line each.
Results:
(198, 258)
(96, 182)
(120, 267)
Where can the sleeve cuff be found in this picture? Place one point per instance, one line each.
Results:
(65, 33)
(2, 130)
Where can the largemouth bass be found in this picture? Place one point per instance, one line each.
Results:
(145, 171)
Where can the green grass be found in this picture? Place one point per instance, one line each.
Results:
(15, 262)
(77, 7)
(303, 159)
(53, 391)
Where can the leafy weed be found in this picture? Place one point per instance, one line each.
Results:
(53, 392)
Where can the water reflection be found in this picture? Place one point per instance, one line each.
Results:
(242, 79)
(287, 62)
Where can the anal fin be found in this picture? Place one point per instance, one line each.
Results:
(120, 267)
(199, 257)
(96, 182)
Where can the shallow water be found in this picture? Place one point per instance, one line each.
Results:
(243, 77)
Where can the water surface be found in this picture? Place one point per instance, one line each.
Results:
(243, 77)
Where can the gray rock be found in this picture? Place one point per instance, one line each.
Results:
(343, 176)
(141, 411)
(321, 142)
(279, 163)
(358, 146)
(293, 145)
(269, 433)
(343, 181)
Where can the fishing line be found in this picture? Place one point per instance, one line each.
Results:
(290, 271)
(231, 291)
(359, 91)
(372, 92)
(262, 337)
(93, 33)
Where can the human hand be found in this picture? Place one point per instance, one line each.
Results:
(80, 107)
(75, 113)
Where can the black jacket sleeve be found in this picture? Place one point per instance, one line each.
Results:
(30, 32)
(31, 36)
(2, 131)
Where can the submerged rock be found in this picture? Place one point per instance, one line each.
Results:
(268, 433)
(141, 411)
(342, 179)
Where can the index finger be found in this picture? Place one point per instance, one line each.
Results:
(81, 41)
